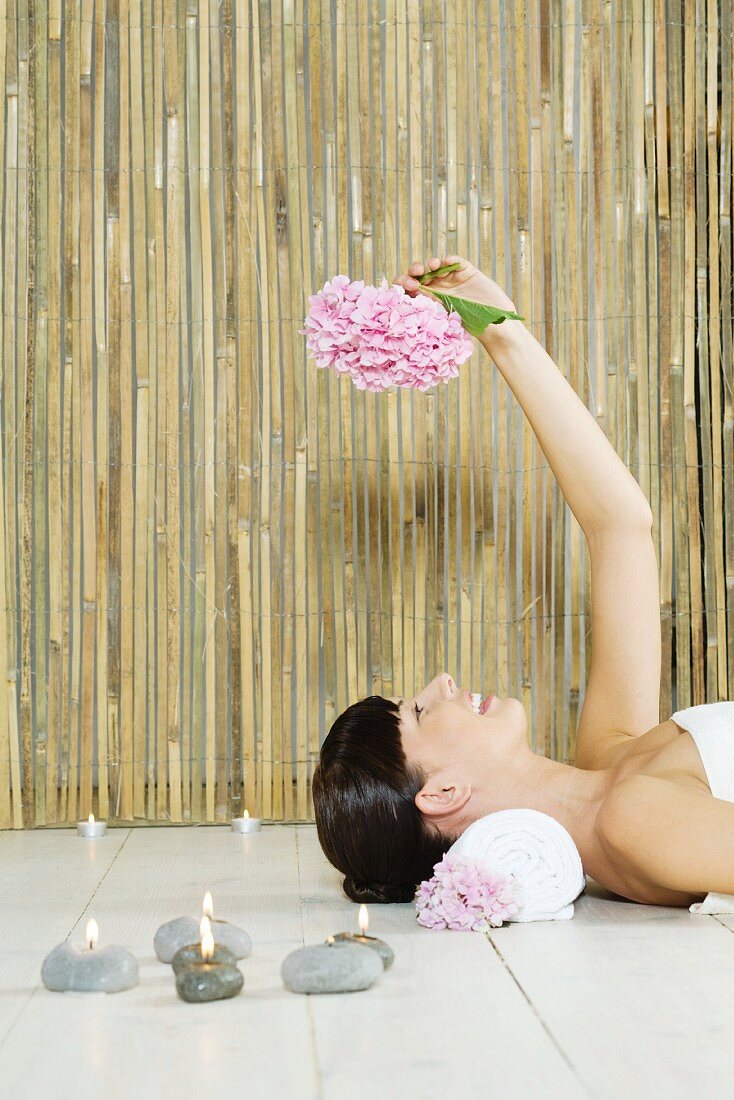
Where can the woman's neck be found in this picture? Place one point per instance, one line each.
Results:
(571, 795)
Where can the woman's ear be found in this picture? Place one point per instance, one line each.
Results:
(438, 801)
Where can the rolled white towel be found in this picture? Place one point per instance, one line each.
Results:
(537, 850)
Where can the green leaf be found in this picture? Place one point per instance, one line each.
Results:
(475, 316)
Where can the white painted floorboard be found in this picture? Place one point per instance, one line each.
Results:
(622, 1000)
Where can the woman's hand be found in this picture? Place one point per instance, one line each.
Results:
(467, 282)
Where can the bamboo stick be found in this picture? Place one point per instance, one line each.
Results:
(562, 128)
(219, 249)
(681, 382)
(242, 772)
(141, 154)
(38, 264)
(278, 228)
(578, 371)
(75, 464)
(9, 187)
(262, 745)
(6, 621)
(464, 593)
(26, 397)
(233, 758)
(663, 516)
(130, 737)
(89, 609)
(448, 402)
(724, 214)
(709, 402)
(530, 292)
(387, 415)
(263, 734)
(522, 289)
(96, 322)
(304, 632)
(504, 526)
(172, 500)
(716, 656)
(208, 336)
(694, 127)
(158, 397)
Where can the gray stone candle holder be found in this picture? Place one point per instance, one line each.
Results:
(183, 931)
(331, 968)
(208, 982)
(107, 969)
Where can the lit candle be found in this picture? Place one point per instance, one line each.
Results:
(89, 969)
(191, 954)
(206, 979)
(246, 824)
(383, 949)
(183, 931)
(229, 935)
(91, 828)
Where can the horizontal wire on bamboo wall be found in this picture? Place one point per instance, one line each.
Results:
(209, 547)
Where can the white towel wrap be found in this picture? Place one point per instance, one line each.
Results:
(537, 850)
(711, 725)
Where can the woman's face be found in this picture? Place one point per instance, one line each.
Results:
(444, 735)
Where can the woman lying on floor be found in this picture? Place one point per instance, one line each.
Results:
(399, 780)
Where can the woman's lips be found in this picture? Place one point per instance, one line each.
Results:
(486, 704)
(483, 706)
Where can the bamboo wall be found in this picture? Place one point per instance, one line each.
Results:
(210, 547)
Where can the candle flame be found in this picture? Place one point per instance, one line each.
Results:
(90, 819)
(92, 934)
(364, 920)
(207, 946)
(208, 905)
(245, 814)
(205, 927)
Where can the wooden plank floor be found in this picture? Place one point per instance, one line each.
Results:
(622, 1000)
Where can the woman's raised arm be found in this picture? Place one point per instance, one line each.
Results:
(599, 489)
(622, 695)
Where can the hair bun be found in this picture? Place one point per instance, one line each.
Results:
(378, 893)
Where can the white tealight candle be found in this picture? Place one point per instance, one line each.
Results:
(91, 828)
(246, 824)
(383, 949)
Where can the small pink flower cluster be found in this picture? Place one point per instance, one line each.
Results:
(382, 337)
(466, 896)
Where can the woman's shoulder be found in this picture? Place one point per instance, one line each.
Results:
(629, 799)
(670, 766)
(667, 751)
(623, 823)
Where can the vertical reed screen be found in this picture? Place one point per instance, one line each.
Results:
(209, 546)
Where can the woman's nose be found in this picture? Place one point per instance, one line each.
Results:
(447, 684)
(444, 686)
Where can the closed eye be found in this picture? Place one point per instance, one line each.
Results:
(418, 711)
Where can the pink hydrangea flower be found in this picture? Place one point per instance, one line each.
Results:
(467, 896)
(382, 337)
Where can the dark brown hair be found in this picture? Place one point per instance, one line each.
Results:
(368, 824)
